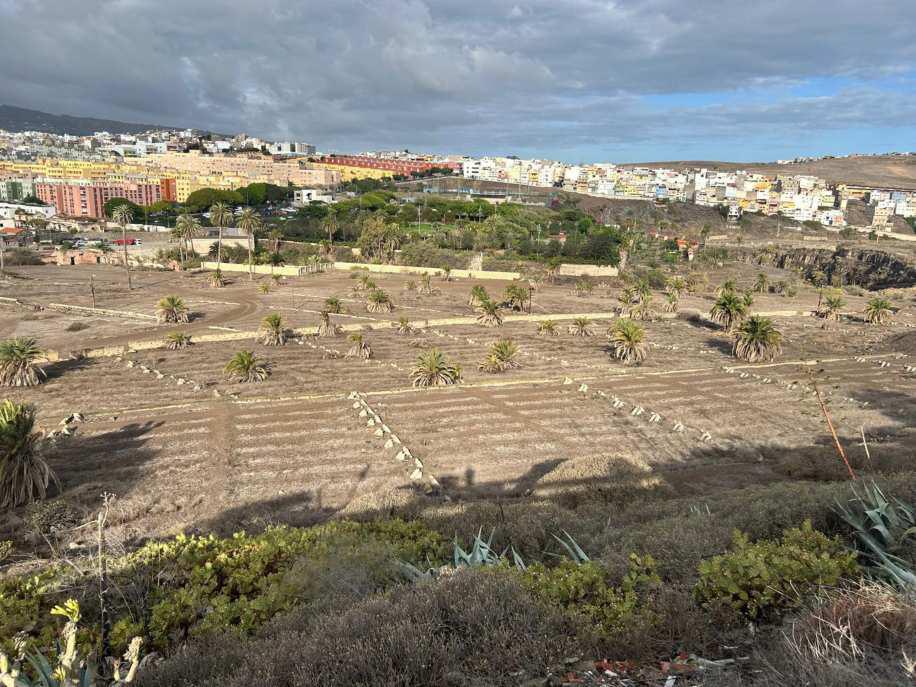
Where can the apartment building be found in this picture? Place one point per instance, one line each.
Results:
(85, 198)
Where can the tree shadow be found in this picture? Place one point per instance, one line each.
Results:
(696, 320)
(63, 367)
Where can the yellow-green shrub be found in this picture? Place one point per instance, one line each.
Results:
(584, 590)
(768, 576)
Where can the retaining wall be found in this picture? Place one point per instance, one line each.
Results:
(410, 269)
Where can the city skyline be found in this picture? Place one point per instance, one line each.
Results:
(576, 81)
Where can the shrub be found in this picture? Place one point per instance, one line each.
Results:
(76, 326)
(763, 578)
(583, 590)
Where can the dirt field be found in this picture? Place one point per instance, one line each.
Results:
(185, 449)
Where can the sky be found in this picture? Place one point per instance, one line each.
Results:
(573, 80)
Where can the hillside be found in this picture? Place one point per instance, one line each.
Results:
(883, 170)
(21, 119)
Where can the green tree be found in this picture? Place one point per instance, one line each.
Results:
(122, 215)
(112, 203)
(757, 340)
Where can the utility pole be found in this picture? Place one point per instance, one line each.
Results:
(92, 288)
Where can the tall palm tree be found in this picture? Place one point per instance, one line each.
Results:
(18, 362)
(432, 369)
(728, 310)
(272, 330)
(171, 310)
(245, 366)
(629, 340)
(250, 222)
(757, 340)
(878, 310)
(24, 475)
(122, 216)
(276, 236)
(187, 228)
(221, 216)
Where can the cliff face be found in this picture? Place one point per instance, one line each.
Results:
(870, 269)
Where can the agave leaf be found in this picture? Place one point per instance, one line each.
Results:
(572, 548)
(517, 560)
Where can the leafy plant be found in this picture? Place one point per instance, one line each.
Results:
(177, 340)
(432, 369)
(272, 332)
(379, 301)
(245, 366)
(332, 304)
(728, 310)
(878, 311)
(761, 579)
(581, 326)
(325, 326)
(583, 287)
(18, 362)
(762, 283)
(501, 357)
(885, 530)
(548, 328)
(757, 340)
(672, 301)
(24, 475)
(264, 288)
(629, 342)
(489, 315)
(359, 349)
(728, 286)
(171, 310)
(831, 304)
(516, 296)
(216, 279)
(410, 285)
(404, 326)
(478, 296)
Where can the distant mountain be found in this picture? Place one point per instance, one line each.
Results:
(21, 119)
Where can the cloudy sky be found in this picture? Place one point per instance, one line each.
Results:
(577, 80)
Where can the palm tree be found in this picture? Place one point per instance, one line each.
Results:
(488, 314)
(216, 279)
(245, 366)
(515, 297)
(264, 288)
(677, 284)
(177, 340)
(581, 326)
(757, 340)
(628, 299)
(728, 286)
(478, 295)
(275, 260)
(446, 274)
(272, 331)
(878, 311)
(432, 369)
(250, 222)
(221, 216)
(325, 326)
(359, 349)
(122, 216)
(18, 362)
(500, 357)
(629, 340)
(276, 236)
(333, 304)
(728, 310)
(172, 310)
(404, 326)
(672, 301)
(748, 298)
(24, 475)
(762, 285)
(187, 228)
(379, 301)
(584, 287)
(548, 328)
(831, 305)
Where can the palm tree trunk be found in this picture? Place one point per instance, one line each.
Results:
(126, 262)
(219, 248)
(250, 264)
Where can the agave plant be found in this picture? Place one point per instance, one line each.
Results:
(379, 301)
(325, 326)
(757, 340)
(272, 332)
(432, 369)
(489, 315)
(177, 340)
(359, 348)
(885, 530)
(478, 296)
(643, 309)
(728, 310)
(629, 342)
(728, 286)
(878, 311)
(216, 279)
(762, 283)
(171, 310)
(404, 326)
(748, 298)
(516, 296)
(831, 304)
(583, 287)
(501, 357)
(333, 304)
(548, 328)
(24, 475)
(245, 366)
(628, 299)
(19, 362)
(581, 326)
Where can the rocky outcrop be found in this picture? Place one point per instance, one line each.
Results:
(870, 269)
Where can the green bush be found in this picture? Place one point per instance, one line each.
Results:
(760, 579)
(585, 591)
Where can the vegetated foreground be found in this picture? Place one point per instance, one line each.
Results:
(555, 442)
